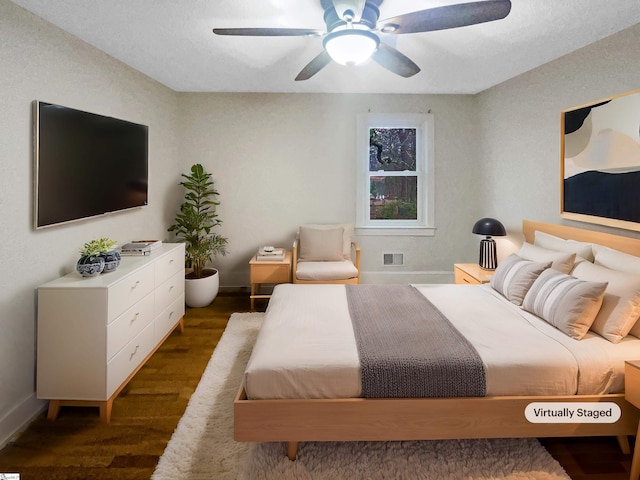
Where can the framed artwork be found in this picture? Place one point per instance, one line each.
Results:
(600, 162)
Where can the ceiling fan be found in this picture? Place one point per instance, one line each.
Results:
(353, 31)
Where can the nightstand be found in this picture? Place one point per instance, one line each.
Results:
(632, 394)
(271, 272)
(471, 273)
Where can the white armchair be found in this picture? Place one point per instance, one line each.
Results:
(325, 254)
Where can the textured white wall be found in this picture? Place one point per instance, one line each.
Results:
(520, 121)
(281, 160)
(38, 61)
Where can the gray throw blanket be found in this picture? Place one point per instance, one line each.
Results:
(408, 348)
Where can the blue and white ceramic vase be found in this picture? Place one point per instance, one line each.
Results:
(111, 260)
(90, 265)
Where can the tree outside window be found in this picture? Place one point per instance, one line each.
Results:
(393, 183)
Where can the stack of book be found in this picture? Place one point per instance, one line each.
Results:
(270, 254)
(140, 247)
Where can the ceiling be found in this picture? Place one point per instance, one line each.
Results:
(172, 42)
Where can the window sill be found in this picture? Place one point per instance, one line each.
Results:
(396, 231)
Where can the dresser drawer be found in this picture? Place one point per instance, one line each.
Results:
(168, 318)
(130, 290)
(129, 324)
(171, 289)
(129, 358)
(168, 265)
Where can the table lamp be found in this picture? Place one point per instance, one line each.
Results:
(490, 227)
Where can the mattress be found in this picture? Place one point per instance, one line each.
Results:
(306, 347)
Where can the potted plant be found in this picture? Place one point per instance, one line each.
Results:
(98, 256)
(194, 225)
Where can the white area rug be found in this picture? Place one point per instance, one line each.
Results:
(202, 446)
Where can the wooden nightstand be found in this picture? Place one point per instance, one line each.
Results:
(471, 273)
(268, 272)
(632, 394)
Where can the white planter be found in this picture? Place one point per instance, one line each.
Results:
(200, 292)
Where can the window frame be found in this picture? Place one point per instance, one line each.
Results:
(424, 125)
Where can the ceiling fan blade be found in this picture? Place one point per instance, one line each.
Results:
(354, 6)
(268, 32)
(314, 66)
(394, 61)
(449, 16)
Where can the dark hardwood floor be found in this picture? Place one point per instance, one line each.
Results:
(78, 446)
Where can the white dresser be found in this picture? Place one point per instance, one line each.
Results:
(95, 333)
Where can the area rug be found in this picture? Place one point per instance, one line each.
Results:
(202, 446)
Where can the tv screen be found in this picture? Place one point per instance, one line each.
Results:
(86, 164)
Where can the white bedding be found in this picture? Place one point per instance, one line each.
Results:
(306, 347)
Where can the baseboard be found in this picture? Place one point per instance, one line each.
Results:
(19, 418)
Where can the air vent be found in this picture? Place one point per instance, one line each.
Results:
(393, 258)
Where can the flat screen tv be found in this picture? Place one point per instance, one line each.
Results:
(86, 164)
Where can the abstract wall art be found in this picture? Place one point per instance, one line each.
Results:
(600, 162)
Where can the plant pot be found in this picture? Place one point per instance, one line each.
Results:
(111, 260)
(200, 292)
(90, 265)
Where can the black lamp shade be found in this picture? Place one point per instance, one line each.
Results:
(490, 227)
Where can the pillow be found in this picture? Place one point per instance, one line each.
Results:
(515, 275)
(569, 304)
(551, 242)
(561, 261)
(616, 260)
(321, 245)
(621, 305)
(348, 234)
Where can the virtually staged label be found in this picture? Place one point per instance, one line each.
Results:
(572, 412)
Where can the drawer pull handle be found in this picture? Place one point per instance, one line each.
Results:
(171, 288)
(135, 317)
(135, 285)
(134, 352)
(170, 261)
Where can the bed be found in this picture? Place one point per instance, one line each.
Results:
(311, 390)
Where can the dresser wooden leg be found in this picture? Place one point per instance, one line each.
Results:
(54, 409)
(105, 410)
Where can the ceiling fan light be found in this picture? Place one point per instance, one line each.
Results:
(351, 47)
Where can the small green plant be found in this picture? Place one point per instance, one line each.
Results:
(96, 247)
(196, 219)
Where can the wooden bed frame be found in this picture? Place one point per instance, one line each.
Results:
(359, 419)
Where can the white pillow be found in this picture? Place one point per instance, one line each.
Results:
(515, 275)
(621, 304)
(616, 260)
(348, 234)
(321, 245)
(569, 304)
(551, 242)
(561, 261)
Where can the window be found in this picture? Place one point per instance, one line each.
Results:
(395, 174)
